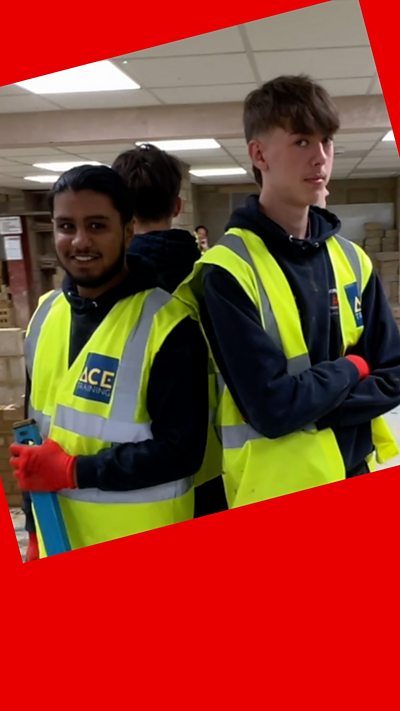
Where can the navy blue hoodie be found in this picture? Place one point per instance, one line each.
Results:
(330, 392)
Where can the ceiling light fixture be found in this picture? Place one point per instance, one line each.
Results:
(98, 76)
(42, 178)
(215, 172)
(187, 144)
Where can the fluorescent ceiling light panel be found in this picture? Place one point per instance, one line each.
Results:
(98, 76)
(214, 172)
(187, 144)
(389, 136)
(65, 165)
(42, 178)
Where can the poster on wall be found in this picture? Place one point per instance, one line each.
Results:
(12, 247)
(10, 226)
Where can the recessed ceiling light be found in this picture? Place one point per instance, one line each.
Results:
(214, 172)
(187, 144)
(389, 136)
(65, 165)
(98, 76)
(42, 178)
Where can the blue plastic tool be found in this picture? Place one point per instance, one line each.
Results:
(47, 508)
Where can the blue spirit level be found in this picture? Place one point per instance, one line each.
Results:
(47, 508)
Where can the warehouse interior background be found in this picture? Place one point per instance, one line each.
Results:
(190, 90)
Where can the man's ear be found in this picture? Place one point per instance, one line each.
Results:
(178, 207)
(129, 232)
(257, 156)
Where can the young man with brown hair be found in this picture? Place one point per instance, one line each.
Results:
(300, 330)
(154, 180)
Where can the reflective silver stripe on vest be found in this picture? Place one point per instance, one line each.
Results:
(130, 367)
(34, 331)
(352, 256)
(236, 245)
(236, 436)
(42, 420)
(107, 430)
(162, 492)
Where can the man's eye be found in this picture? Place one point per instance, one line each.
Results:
(65, 226)
(96, 226)
(302, 142)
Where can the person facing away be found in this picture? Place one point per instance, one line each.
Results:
(154, 180)
(300, 329)
(201, 233)
(117, 376)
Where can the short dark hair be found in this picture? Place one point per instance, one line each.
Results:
(201, 227)
(100, 179)
(294, 102)
(154, 180)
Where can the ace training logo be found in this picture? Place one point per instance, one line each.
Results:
(355, 302)
(97, 379)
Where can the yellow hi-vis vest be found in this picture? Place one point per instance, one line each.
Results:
(256, 467)
(100, 400)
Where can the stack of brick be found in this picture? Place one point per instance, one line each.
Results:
(382, 246)
(12, 387)
(8, 415)
(387, 266)
(374, 233)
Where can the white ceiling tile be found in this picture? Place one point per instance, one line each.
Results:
(204, 94)
(336, 24)
(13, 90)
(25, 104)
(346, 87)
(30, 151)
(371, 136)
(191, 71)
(19, 169)
(227, 41)
(346, 62)
(354, 146)
(233, 142)
(105, 99)
(376, 87)
(110, 146)
(43, 158)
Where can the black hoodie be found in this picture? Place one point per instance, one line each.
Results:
(330, 392)
(171, 253)
(177, 399)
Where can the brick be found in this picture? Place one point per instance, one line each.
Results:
(4, 375)
(11, 342)
(10, 394)
(12, 413)
(373, 226)
(389, 244)
(16, 369)
(394, 291)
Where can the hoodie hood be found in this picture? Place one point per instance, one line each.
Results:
(171, 253)
(323, 224)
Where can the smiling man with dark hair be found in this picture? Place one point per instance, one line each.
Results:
(117, 376)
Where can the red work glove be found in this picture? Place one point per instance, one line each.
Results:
(361, 365)
(43, 467)
(32, 552)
